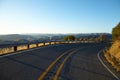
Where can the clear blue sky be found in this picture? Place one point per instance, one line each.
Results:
(58, 16)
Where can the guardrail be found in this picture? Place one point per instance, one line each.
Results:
(19, 47)
(5, 49)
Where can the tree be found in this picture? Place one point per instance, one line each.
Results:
(102, 37)
(116, 32)
(69, 38)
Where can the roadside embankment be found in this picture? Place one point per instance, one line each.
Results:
(113, 55)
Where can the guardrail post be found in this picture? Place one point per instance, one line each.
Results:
(15, 48)
(54, 42)
(28, 46)
(49, 43)
(43, 44)
(37, 45)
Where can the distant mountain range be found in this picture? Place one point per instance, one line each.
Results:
(11, 38)
(14, 37)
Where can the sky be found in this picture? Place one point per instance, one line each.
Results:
(58, 16)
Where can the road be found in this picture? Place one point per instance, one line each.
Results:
(82, 64)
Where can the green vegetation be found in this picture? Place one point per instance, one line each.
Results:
(69, 38)
(101, 38)
(116, 32)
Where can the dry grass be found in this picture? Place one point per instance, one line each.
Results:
(115, 50)
(32, 46)
(113, 55)
(41, 44)
(112, 60)
(47, 43)
(52, 42)
(23, 47)
(6, 50)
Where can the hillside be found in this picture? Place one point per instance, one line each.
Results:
(13, 37)
(115, 49)
(113, 55)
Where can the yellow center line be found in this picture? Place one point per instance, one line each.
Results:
(62, 64)
(51, 65)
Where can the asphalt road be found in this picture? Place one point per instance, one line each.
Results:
(29, 65)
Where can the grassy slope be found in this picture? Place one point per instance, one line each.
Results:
(113, 55)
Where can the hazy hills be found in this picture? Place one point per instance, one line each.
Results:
(11, 38)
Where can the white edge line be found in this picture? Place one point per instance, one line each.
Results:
(105, 65)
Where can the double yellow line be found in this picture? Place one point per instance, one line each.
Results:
(71, 51)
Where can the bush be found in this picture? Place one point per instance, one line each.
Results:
(69, 38)
(116, 32)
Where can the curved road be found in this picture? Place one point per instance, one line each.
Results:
(30, 64)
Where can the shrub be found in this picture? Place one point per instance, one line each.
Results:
(69, 38)
(116, 32)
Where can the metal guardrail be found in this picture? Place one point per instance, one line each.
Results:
(10, 48)
(18, 47)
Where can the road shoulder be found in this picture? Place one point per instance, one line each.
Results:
(107, 65)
